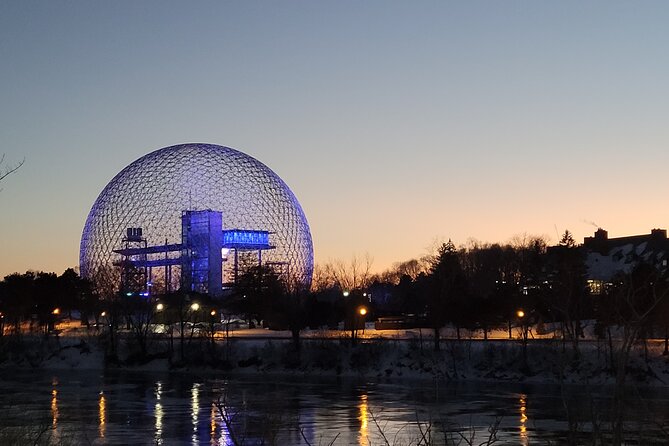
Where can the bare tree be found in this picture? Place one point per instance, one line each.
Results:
(353, 275)
(321, 279)
(411, 268)
(105, 290)
(641, 294)
(139, 311)
(295, 298)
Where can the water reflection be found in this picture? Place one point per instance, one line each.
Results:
(102, 414)
(55, 413)
(212, 424)
(363, 438)
(195, 409)
(139, 408)
(524, 440)
(158, 435)
(217, 423)
(54, 408)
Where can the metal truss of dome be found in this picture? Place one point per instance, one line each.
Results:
(153, 193)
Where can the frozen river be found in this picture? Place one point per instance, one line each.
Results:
(65, 407)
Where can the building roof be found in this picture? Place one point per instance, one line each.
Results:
(606, 257)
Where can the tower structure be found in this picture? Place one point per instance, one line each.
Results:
(201, 261)
(132, 263)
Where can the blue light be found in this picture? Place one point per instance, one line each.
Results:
(244, 237)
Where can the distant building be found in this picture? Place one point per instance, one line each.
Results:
(606, 257)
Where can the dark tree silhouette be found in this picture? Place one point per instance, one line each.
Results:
(484, 267)
(447, 286)
(17, 299)
(254, 292)
(569, 296)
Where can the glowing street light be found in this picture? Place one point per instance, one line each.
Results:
(213, 312)
(103, 314)
(56, 311)
(525, 329)
(195, 306)
(346, 293)
(362, 311)
(160, 307)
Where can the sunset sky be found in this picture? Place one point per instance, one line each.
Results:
(394, 123)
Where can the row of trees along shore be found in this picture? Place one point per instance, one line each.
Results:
(474, 287)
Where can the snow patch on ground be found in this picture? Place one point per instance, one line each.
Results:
(405, 357)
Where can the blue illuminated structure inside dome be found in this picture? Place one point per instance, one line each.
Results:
(260, 213)
(200, 259)
(240, 238)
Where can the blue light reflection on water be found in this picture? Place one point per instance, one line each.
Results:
(145, 408)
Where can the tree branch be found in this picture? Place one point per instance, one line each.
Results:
(10, 169)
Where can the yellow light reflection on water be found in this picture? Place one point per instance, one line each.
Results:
(102, 414)
(54, 408)
(524, 439)
(212, 424)
(195, 409)
(158, 411)
(363, 413)
(55, 412)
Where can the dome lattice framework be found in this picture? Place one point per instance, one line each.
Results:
(154, 191)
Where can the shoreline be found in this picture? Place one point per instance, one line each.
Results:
(334, 358)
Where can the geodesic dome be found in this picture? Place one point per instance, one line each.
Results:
(152, 193)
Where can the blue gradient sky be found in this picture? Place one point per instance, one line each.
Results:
(395, 123)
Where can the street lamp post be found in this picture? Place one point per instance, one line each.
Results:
(54, 316)
(355, 314)
(362, 311)
(212, 326)
(523, 324)
(524, 328)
